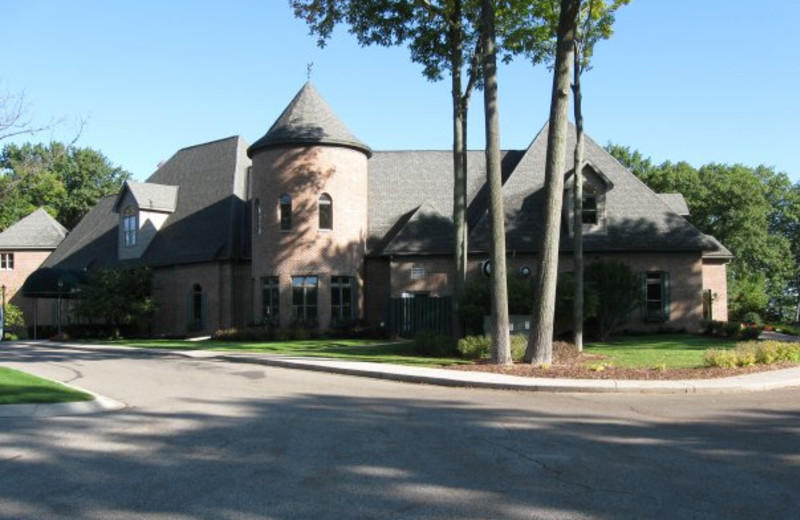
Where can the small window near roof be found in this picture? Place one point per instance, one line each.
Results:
(129, 225)
(589, 214)
(325, 211)
(285, 210)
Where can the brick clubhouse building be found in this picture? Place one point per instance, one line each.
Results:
(310, 226)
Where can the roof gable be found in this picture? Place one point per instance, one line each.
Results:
(149, 196)
(36, 231)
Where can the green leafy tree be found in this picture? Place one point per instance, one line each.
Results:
(619, 291)
(118, 296)
(66, 180)
(754, 212)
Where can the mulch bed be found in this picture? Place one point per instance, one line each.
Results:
(568, 363)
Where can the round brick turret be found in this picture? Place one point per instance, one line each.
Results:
(309, 199)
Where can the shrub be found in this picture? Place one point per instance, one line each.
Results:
(519, 343)
(732, 329)
(752, 318)
(746, 354)
(750, 332)
(720, 358)
(475, 347)
(706, 326)
(431, 343)
(619, 290)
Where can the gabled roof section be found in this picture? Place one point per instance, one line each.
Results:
(36, 231)
(208, 222)
(426, 231)
(149, 196)
(309, 120)
(593, 169)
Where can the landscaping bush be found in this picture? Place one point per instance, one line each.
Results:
(752, 318)
(753, 352)
(519, 343)
(619, 290)
(431, 343)
(750, 332)
(475, 347)
(720, 358)
(731, 329)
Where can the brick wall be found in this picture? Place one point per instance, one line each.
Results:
(25, 262)
(305, 173)
(688, 278)
(224, 286)
(715, 279)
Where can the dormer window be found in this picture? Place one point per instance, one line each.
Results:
(285, 211)
(325, 208)
(593, 210)
(590, 210)
(129, 226)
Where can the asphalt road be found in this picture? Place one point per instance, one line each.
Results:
(208, 439)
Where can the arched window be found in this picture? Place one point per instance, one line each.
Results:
(285, 211)
(325, 211)
(129, 225)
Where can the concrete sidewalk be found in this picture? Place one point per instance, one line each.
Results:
(761, 381)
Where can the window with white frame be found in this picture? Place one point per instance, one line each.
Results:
(130, 219)
(6, 261)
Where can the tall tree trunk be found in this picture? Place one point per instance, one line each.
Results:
(577, 203)
(540, 344)
(501, 343)
(459, 169)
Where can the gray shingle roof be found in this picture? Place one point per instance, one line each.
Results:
(637, 219)
(150, 196)
(36, 231)
(308, 120)
(209, 221)
(676, 202)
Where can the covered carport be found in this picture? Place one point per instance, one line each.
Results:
(54, 284)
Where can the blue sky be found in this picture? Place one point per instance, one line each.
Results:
(695, 80)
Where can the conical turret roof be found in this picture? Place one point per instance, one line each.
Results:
(309, 120)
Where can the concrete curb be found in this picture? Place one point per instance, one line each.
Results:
(757, 382)
(99, 404)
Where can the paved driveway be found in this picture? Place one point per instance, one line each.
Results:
(205, 439)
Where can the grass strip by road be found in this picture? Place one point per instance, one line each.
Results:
(396, 352)
(20, 388)
(664, 351)
(658, 351)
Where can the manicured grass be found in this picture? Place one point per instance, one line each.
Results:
(657, 351)
(398, 352)
(21, 388)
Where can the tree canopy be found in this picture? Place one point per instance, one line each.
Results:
(66, 180)
(753, 211)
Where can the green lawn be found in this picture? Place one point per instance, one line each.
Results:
(398, 352)
(21, 388)
(667, 350)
